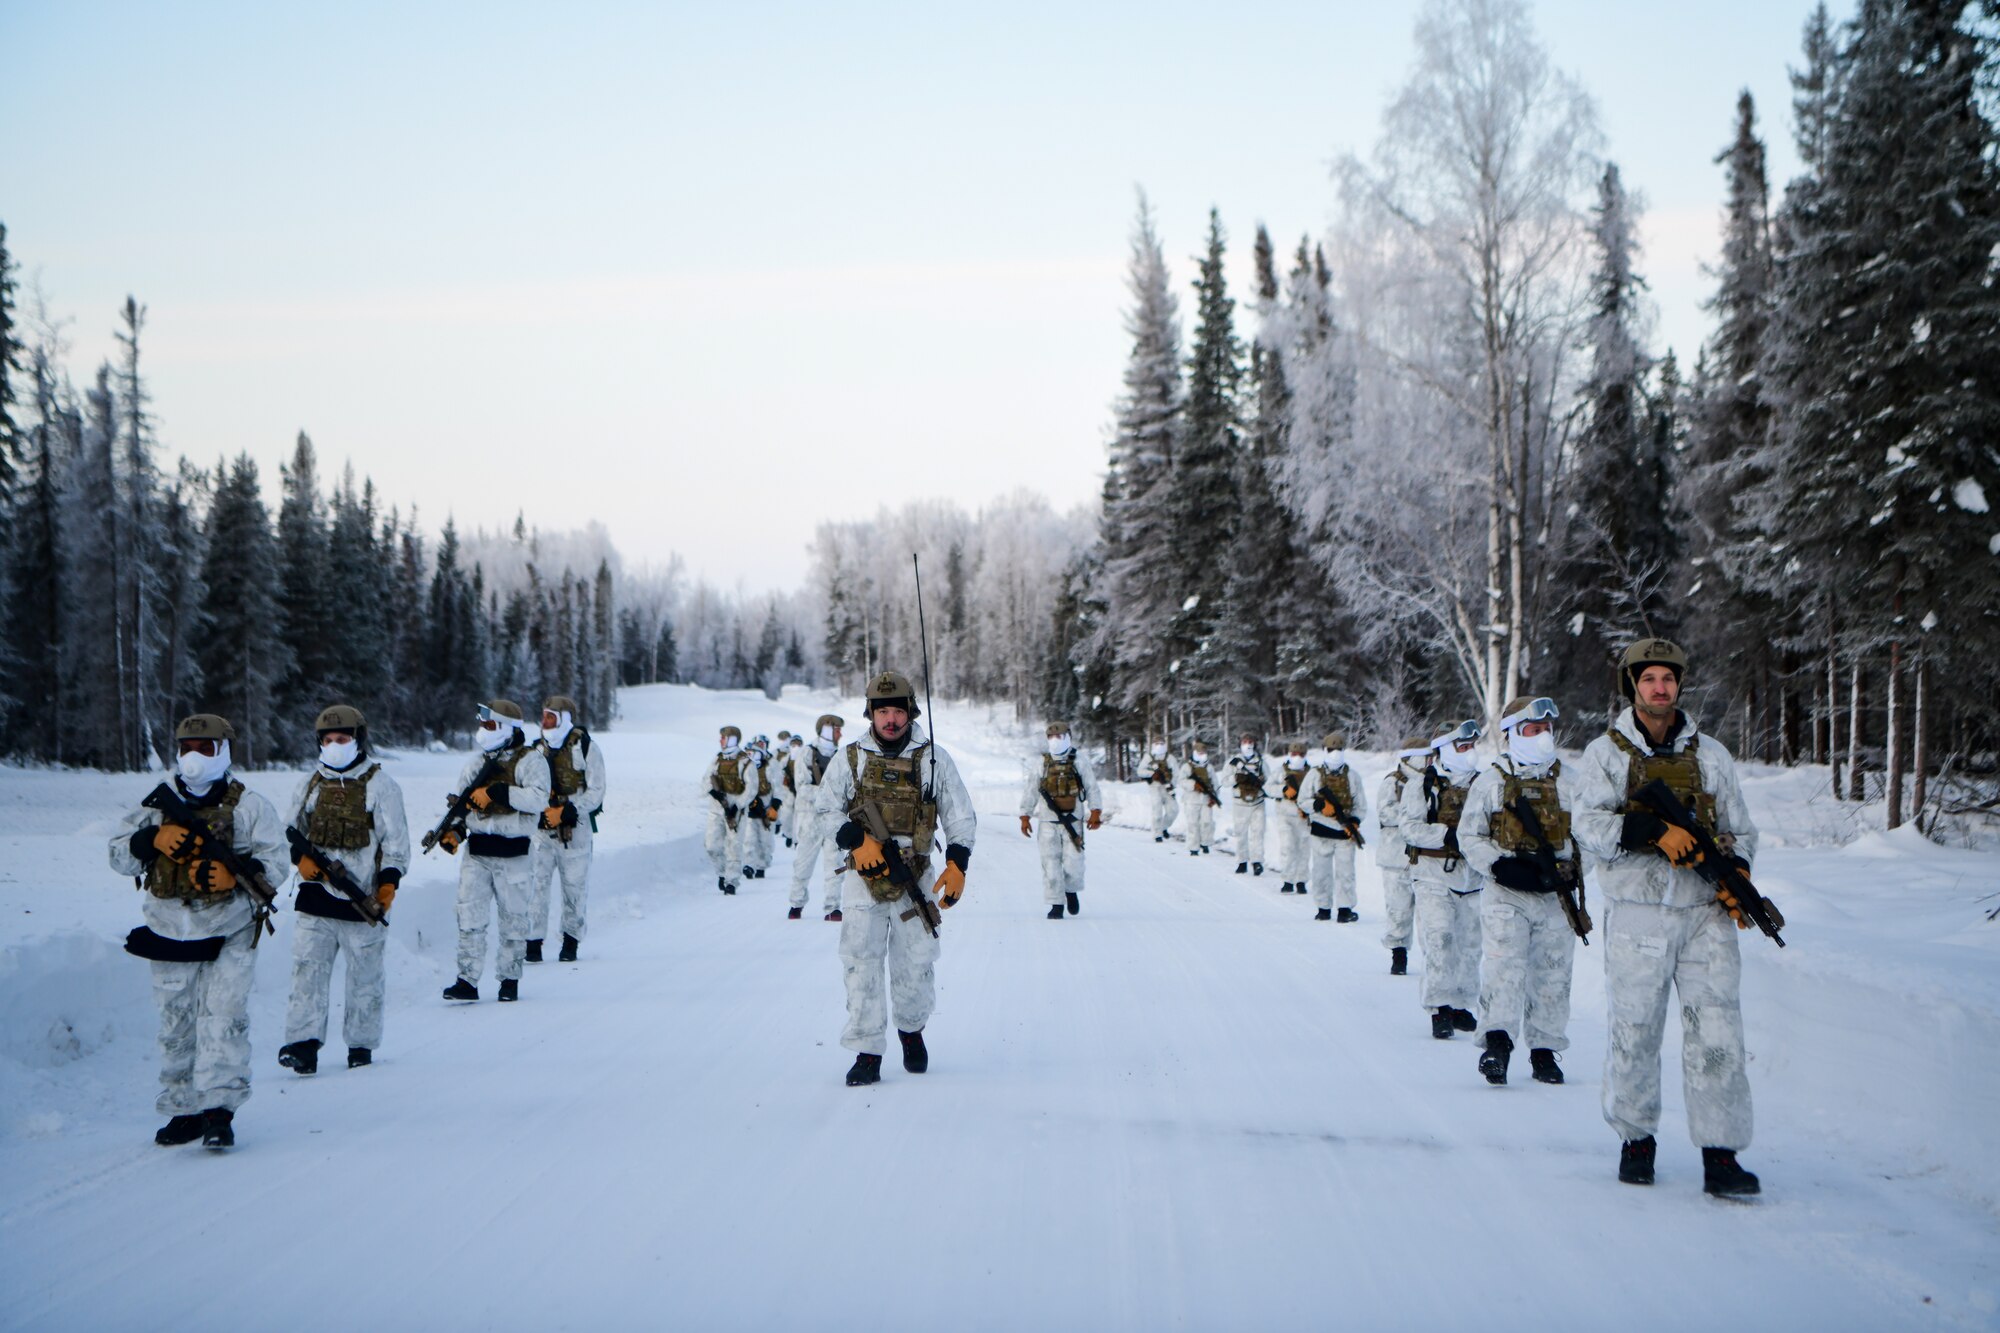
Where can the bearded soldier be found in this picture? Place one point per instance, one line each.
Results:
(757, 833)
(1664, 925)
(348, 810)
(1158, 774)
(201, 926)
(1392, 856)
(1332, 800)
(1063, 782)
(1447, 891)
(1199, 796)
(567, 831)
(728, 784)
(1291, 820)
(507, 784)
(1528, 945)
(1246, 781)
(813, 831)
(894, 779)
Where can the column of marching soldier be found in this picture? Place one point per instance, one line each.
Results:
(1487, 856)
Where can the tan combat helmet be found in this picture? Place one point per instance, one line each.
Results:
(1296, 747)
(1058, 728)
(737, 732)
(1650, 652)
(504, 708)
(340, 717)
(562, 703)
(828, 720)
(1333, 740)
(205, 727)
(1528, 708)
(893, 687)
(1414, 746)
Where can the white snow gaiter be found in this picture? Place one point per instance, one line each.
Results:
(1531, 751)
(201, 771)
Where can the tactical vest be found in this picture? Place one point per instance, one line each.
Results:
(1163, 771)
(566, 774)
(1061, 783)
(1293, 780)
(1249, 783)
(167, 878)
(1451, 804)
(338, 817)
(764, 779)
(1506, 828)
(1681, 771)
(729, 774)
(509, 759)
(1199, 775)
(819, 762)
(1333, 783)
(896, 786)
(791, 782)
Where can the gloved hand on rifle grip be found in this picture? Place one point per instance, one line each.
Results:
(552, 818)
(1732, 906)
(1517, 872)
(481, 798)
(176, 843)
(870, 859)
(211, 876)
(1678, 846)
(449, 840)
(309, 869)
(950, 886)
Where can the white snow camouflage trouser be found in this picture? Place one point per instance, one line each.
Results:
(871, 932)
(725, 844)
(1332, 873)
(1448, 926)
(1200, 820)
(815, 835)
(1291, 859)
(1062, 861)
(1164, 808)
(550, 861)
(1399, 904)
(205, 1028)
(757, 842)
(315, 941)
(1524, 967)
(487, 884)
(1249, 826)
(1647, 948)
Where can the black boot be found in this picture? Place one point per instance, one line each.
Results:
(1399, 962)
(834, 915)
(300, 1056)
(748, 873)
(795, 914)
(534, 954)
(510, 990)
(1720, 1174)
(1256, 867)
(568, 954)
(729, 889)
(1194, 851)
(1542, 1061)
(181, 1129)
(1493, 1061)
(1463, 1020)
(217, 1131)
(916, 1057)
(865, 1069)
(1286, 887)
(461, 990)
(1635, 1161)
(1069, 899)
(1055, 911)
(1242, 867)
(1323, 914)
(1441, 1024)
(1347, 915)
(358, 1056)
(722, 883)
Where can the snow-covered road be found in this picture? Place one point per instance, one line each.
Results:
(1190, 1107)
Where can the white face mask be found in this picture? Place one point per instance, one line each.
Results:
(1457, 764)
(1201, 756)
(201, 771)
(339, 754)
(1533, 750)
(559, 733)
(492, 738)
(1058, 746)
(1247, 748)
(732, 747)
(1334, 758)
(826, 734)
(1295, 761)
(1159, 752)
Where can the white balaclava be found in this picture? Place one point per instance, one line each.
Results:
(1247, 749)
(339, 755)
(1455, 763)
(559, 733)
(1200, 755)
(1159, 749)
(1059, 745)
(1297, 762)
(201, 771)
(732, 745)
(1332, 758)
(825, 743)
(496, 737)
(1532, 751)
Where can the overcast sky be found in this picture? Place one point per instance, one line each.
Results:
(687, 269)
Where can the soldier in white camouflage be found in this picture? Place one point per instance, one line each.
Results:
(728, 786)
(1248, 779)
(1392, 856)
(1061, 783)
(1447, 890)
(201, 931)
(566, 834)
(1290, 857)
(1157, 772)
(814, 833)
(1333, 802)
(506, 809)
(1201, 797)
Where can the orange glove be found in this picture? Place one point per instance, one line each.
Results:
(1027, 827)
(870, 859)
(176, 843)
(482, 798)
(950, 886)
(311, 869)
(1733, 907)
(1678, 845)
(552, 818)
(384, 895)
(211, 876)
(770, 814)
(1096, 819)
(449, 840)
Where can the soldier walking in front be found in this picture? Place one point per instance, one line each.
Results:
(566, 835)
(728, 784)
(507, 785)
(1064, 782)
(1199, 798)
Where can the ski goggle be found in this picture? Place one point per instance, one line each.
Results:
(1537, 710)
(489, 718)
(1463, 734)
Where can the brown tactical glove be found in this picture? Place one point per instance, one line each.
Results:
(311, 869)
(1095, 821)
(211, 876)
(870, 859)
(482, 798)
(552, 818)
(1027, 827)
(1678, 846)
(449, 840)
(177, 843)
(950, 886)
(385, 894)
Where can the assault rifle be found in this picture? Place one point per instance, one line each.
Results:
(336, 876)
(1343, 818)
(1568, 892)
(900, 873)
(250, 876)
(728, 816)
(1066, 817)
(1204, 787)
(454, 814)
(1730, 883)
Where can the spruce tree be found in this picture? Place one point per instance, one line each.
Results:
(307, 625)
(241, 654)
(11, 443)
(33, 629)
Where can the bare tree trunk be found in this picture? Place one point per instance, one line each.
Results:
(1921, 757)
(1856, 787)
(1893, 729)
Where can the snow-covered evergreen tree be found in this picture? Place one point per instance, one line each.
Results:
(241, 654)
